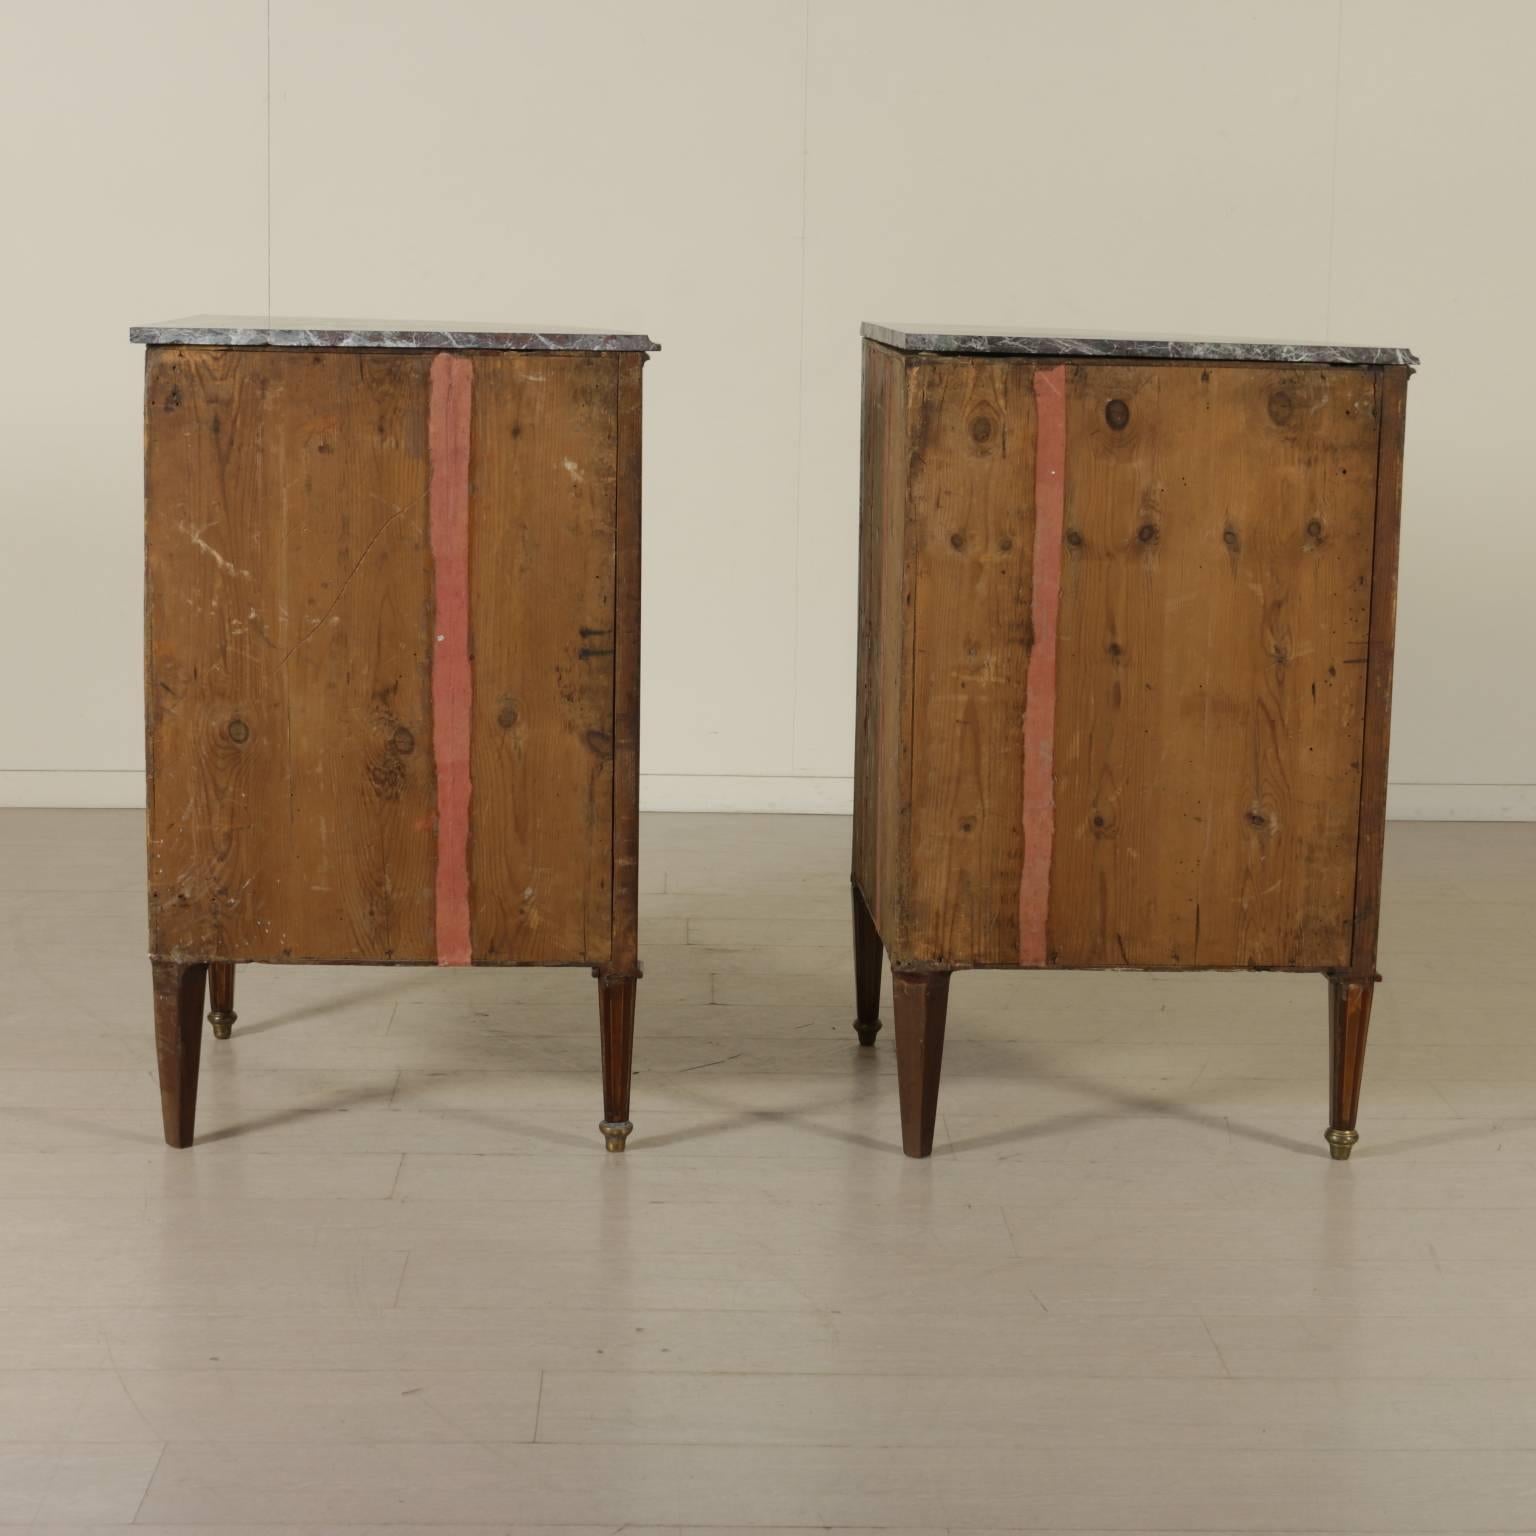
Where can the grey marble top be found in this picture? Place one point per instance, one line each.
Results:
(287, 331)
(1214, 349)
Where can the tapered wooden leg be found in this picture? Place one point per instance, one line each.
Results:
(178, 1044)
(921, 1000)
(868, 958)
(221, 998)
(1349, 1019)
(616, 1001)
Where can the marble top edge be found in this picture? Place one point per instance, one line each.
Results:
(291, 331)
(1217, 349)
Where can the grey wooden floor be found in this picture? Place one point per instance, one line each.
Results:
(399, 1283)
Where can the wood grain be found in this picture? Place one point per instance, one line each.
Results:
(972, 511)
(452, 686)
(1349, 1023)
(288, 599)
(1378, 678)
(868, 965)
(1039, 743)
(616, 1033)
(882, 737)
(178, 992)
(1211, 668)
(920, 1001)
(542, 598)
(624, 958)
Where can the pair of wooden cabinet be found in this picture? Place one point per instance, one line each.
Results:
(1124, 669)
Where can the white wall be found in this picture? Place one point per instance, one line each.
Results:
(747, 180)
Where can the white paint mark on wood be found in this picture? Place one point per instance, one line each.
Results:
(224, 564)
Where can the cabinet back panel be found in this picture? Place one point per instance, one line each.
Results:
(291, 625)
(288, 615)
(972, 466)
(1216, 587)
(543, 450)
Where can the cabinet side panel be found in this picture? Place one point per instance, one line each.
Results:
(543, 452)
(873, 408)
(288, 613)
(624, 959)
(1211, 669)
(1378, 700)
(880, 743)
(973, 518)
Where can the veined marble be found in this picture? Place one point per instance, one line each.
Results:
(287, 331)
(1212, 349)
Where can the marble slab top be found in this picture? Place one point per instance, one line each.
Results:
(1213, 349)
(288, 331)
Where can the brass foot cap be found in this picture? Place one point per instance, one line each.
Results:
(223, 1020)
(1341, 1143)
(866, 1032)
(615, 1133)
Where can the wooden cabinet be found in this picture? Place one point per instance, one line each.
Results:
(1124, 674)
(392, 628)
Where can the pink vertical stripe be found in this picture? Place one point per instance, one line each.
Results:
(1040, 683)
(448, 437)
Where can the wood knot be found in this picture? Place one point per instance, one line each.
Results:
(173, 399)
(957, 541)
(1256, 819)
(239, 732)
(386, 773)
(1280, 408)
(967, 824)
(1074, 538)
(402, 741)
(506, 716)
(1147, 533)
(1315, 530)
(1005, 544)
(1230, 539)
(1114, 648)
(1118, 414)
(981, 429)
